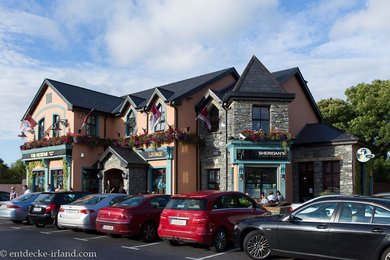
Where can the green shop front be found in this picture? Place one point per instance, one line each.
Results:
(258, 167)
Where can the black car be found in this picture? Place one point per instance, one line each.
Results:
(328, 227)
(44, 209)
(4, 196)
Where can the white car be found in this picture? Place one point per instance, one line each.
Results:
(82, 213)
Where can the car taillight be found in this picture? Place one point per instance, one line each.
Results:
(163, 216)
(200, 219)
(61, 210)
(86, 211)
(13, 207)
(49, 208)
(124, 216)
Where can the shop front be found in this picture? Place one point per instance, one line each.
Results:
(258, 167)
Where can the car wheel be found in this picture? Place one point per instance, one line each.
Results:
(40, 225)
(55, 223)
(386, 254)
(17, 221)
(219, 241)
(256, 245)
(148, 232)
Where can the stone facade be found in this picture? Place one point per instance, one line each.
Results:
(319, 154)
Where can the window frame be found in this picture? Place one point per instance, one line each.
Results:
(262, 120)
(217, 182)
(129, 128)
(160, 126)
(332, 174)
(91, 127)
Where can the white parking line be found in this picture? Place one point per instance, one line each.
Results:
(214, 255)
(56, 231)
(89, 238)
(22, 227)
(137, 247)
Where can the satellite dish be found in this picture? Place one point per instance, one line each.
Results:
(364, 155)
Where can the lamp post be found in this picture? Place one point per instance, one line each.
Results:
(363, 155)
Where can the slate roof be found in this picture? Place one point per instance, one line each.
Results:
(256, 82)
(322, 133)
(126, 155)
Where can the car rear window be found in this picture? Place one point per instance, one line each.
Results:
(130, 202)
(45, 197)
(88, 200)
(186, 204)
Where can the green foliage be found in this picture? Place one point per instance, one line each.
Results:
(365, 113)
(14, 174)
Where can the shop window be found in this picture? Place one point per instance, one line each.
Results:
(213, 179)
(38, 181)
(214, 118)
(331, 176)
(91, 126)
(130, 125)
(160, 126)
(260, 118)
(260, 179)
(41, 129)
(57, 179)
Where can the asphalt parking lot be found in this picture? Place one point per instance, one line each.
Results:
(21, 241)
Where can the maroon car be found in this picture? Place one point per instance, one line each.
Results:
(136, 215)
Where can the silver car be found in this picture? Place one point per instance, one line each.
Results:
(81, 214)
(16, 210)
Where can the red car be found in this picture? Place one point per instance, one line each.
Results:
(136, 215)
(206, 217)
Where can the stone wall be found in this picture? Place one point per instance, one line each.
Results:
(319, 154)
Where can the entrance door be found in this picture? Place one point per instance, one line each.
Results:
(90, 181)
(306, 181)
(260, 179)
(159, 181)
(38, 181)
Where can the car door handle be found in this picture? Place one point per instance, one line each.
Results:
(377, 230)
(322, 226)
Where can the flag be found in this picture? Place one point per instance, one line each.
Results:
(86, 119)
(155, 116)
(204, 116)
(47, 132)
(31, 122)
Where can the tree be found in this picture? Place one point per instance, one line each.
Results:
(14, 174)
(366, 114)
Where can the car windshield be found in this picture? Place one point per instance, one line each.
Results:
(88, 200)
(24, 197)
(45, 197)
(186, 204)
(130, 202)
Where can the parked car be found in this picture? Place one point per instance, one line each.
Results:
(327, 227)
(136, 215)
(16, 210)
(206, 217)
(44, 209)
(4, 196)
(82, 213)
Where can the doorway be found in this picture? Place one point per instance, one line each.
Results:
(306, 181)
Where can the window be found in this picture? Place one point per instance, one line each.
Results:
(49, 98)
(331, 176)
(355, 212)
(56, 126)
(57, 179)
(319, 212)
(214, 118)
(260, 118)
(130, 125)
(91, 126)
(160, 126)
(41, 129)
(381, 216)
(213, 179)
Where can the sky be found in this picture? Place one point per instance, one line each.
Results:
(120, 47)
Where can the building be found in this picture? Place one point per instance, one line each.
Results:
(252, 133)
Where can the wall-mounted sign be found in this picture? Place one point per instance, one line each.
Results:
(153, 155)
(256, 154)
(364, 155)
(46, 154)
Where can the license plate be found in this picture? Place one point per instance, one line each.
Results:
(36, 209)
(105, 227)
(71, 211)
(179, 222)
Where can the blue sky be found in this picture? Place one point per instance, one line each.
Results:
(120, 47)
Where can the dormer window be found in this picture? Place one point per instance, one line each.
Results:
(214, 118)
(160, 125)
(260, 118)
(131, 123)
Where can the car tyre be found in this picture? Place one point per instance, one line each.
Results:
(17, 221)
(220, 241)
(148, 232)
(39, 225)
(386, 254)
(256, 245)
